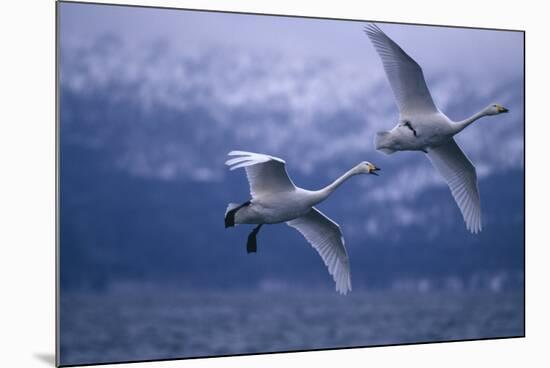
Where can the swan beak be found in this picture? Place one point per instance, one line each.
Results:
(502, 109)
(374, 171)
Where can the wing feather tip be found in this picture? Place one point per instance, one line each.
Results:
(240, 153)
(258, 157)
(343, 289)
(475, 227)
(370, 29)
(371, 26)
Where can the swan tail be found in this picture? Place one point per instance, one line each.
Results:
(381, 141)
(230, 212)
(231, 206)
(229, 217)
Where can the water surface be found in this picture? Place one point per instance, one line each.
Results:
(130, 325)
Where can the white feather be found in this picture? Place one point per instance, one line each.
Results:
(326, 237)
(275, 199)
(404, 74)
(460, 175)
(423, 127)
(266, 174)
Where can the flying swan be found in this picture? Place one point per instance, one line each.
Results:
(276, 199)
(422, 127)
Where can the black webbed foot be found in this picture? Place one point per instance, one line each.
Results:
(251, 244)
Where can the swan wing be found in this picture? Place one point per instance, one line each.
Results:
(460, 175)
(326, 237)
(404, 74)
(266, 174)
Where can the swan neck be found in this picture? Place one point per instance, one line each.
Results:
(326, 191)
(461, 125)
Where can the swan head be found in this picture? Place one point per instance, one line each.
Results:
(495, 109)
(366, 167)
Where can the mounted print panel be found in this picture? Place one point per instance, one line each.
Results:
(236, 183)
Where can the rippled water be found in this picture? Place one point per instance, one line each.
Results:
(128, 326)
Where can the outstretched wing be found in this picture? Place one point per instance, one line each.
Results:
(326, 237)
(266, 174)
(404, 74)
(460, 175)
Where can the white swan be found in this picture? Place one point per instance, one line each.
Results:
(422, 127)
(276, 199)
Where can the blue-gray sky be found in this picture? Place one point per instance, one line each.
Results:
(474, 52)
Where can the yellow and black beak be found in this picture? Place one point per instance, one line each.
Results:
(374, 170)
(502, 109)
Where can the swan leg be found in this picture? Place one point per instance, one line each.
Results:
(251, 243)
(230, 215)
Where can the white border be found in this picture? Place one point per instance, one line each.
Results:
(27, 192)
